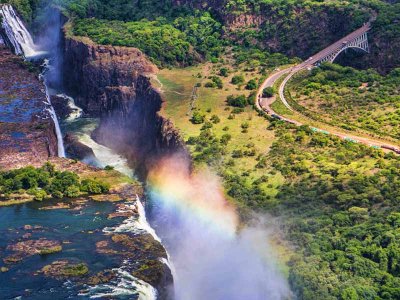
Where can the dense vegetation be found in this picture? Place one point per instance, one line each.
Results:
(341, 207)
(295, 28)
(352, 99)
(46, 182)
(27, 8)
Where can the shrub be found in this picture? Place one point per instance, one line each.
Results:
(237, 110)
(237, 153)
(215, 119)
(237, 79)
(268, 92)
(238, 101)
(197, 118)
(226, 138)
(251, 85)
(224, 72)
(210, 84)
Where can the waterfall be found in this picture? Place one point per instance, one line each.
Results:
(60, 141)
(22, 43)
(17, 35)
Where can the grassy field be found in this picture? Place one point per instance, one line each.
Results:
(178, 87)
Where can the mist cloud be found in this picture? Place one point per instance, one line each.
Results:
(212, 258)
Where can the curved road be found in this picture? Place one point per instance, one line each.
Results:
(264, 104)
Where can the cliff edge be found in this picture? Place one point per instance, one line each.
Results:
(113, 83)
(27, 131)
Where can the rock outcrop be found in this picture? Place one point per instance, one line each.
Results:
(77, 150)
(27, 131)
(113, 83)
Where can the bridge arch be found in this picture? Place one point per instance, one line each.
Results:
(357, 40)
(344, 49)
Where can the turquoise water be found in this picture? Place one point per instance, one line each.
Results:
(62, 225)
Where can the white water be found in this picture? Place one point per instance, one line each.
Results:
(76, 110)
(122, 286)
(104, 155)
(60, 141)
(125, 284)
(17, 33)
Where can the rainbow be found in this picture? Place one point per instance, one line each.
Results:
(198, 196)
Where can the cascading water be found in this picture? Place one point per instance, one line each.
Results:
(60, 141)
(76, 111)
(17, 34)
(22, 43)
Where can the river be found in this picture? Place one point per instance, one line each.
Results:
(212, 258)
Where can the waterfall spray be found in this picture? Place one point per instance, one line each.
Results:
(213, 258)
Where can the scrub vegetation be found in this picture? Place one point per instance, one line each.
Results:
(351, 99)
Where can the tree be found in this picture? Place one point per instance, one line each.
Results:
(94, 187)
(268, 92)
(237, 79)
(251, 85)
(72, 191)
(238, 101)
(197, 118)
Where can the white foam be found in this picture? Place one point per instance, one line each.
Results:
(76, 110)
(124, 285)
(104, 155)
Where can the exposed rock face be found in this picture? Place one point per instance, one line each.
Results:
(77, 150)
(112, 83)
(27, 132)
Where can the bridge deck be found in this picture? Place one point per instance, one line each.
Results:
(335, 46)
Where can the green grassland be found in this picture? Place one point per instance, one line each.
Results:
(180, 105)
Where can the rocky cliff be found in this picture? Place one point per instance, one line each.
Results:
(113, 83)
(27, 132)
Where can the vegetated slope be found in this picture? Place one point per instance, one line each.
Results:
(351, 99)
(296, 28)
(27, 8)
(384, 42)
(341, 208)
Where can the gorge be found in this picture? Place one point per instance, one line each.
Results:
(175, 184)
(113, 84)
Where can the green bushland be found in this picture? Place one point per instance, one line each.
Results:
(351, 99)
(182, 41)
(27, 8)
(340, 206)
(46, 182)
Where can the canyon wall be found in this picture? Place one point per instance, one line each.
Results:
(113, 83)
